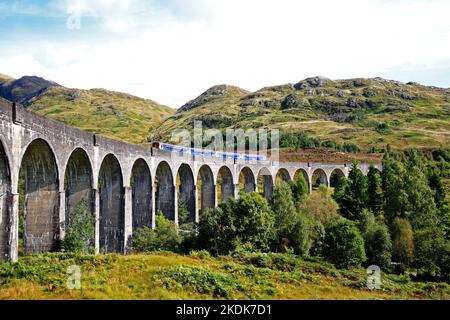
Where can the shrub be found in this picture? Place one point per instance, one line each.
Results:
(202, 254)
(344, 245)
(248, 219)
(200, 279)
(164, 237)
(402, 242)
(432, 253)
(80, 229)
(299, 188)
(321, 206)
(378, 244)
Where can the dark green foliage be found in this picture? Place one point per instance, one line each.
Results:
(344, 245)
(352, 194)
(248, 219)
(402, 242)
(285, 213)
(79, 229)
(183, 213)
(164, 237)
(299, 188)
(200, 279)
(378, 244)
(301, 140)
(407, 192)
(374, 190)
(432, 253)
(293, 228)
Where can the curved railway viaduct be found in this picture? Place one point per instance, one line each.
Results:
(123, 184)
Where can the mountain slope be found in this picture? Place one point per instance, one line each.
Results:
(113, 114)
(370, 113)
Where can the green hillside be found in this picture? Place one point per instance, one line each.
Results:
(112, 114)
(366, 112)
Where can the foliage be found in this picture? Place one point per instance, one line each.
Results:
(378, 244)
(164, 237)
(79, 229)
(352, 193)
(285, 213)
(344, 245)
(248, 219)
(374, 191)
(402, 241)
(321, 206)
(299, 188)
(200, 279)
(183, 212)
(164, 276)
(432, 253)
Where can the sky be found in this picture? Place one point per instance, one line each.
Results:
(171, 51)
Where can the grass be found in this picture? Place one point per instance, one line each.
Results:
(172, 276)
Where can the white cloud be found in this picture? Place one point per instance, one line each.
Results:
(173, 52)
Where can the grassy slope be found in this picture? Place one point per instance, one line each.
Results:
(113, 114)
(417, 116)
(171, 276)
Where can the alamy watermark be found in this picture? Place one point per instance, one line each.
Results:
(74, 277)
(230, 145)
(374, 277)
(73, 21)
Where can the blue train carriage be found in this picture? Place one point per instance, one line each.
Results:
(208, 153)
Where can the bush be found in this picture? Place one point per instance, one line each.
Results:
(248, 219)
(402, 242)
(164, 237)
(299, 188)
(378, 244)
(80, 229)
(344, 245)
(321, 206)
(202, 254)
(432, 253)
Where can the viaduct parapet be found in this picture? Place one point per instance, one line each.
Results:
(124, 184)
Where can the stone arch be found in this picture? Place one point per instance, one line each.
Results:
(39, 171)
(319, 177)
(302, 173)
(112, 217)
(5, 210)
(78, 183)
(335, 176)
(265, 183)
(165, 190)
(225, 185)
(186, 192)
(205, 182)
(283, 175)
(247, 180)
(141, 191)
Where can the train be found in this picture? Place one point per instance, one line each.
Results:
(206, 153)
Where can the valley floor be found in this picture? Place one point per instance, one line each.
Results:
(172, 276)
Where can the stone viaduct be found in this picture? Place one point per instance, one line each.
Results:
(123, 184)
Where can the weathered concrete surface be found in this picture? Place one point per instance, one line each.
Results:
(5, 214)
(125, 183)
(41, 211)
(78, 183)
